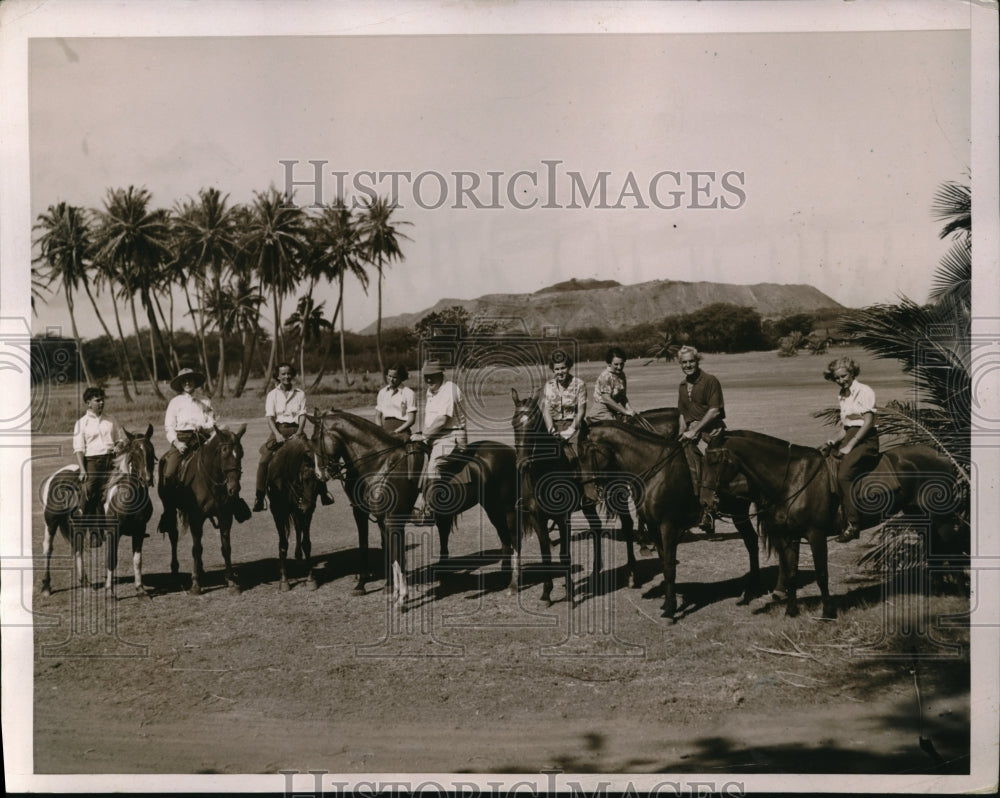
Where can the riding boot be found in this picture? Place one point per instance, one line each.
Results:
(258, 502)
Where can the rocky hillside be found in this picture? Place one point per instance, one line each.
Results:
(576, 304)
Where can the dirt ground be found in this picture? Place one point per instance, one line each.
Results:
(471, 680)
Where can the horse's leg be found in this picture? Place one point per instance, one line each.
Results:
(138, 537)
(197, 567)
(628, 532)
(817, 543)
(306, 521)
(566, 559)
(669, 534)
(51, 527)
(111, 555)
(281, 523)
(749, 534)
(78, 545)
(789, 553)
(361, 522)
(225, 526)
(542, 533)
(397, 554)
(513, 549)
(596, 533)
(444, 524)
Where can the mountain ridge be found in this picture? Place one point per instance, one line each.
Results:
(578, 303)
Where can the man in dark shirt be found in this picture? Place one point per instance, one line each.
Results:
(702, 414)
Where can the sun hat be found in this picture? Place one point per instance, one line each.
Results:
(187, 374)
(432, 367)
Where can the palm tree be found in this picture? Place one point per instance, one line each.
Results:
(205, 233)
(137, 242)
(275, 244)
(64, 245)
(308, 324)
(336, 253)
(104, 273)
(381, 244)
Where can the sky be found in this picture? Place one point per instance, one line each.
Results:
(826, 146)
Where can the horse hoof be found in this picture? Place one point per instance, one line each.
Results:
(235, 590)
(313, 584)
(284, 587)
(358, 591)
(142, 594)
(779, 595)
(791, 611)
(829, 613)
(545, 601)
(46, 589)
(195, 590)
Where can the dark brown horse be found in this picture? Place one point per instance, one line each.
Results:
(380, 474)
(795, 500)
(62, 495)
(658, 476)
(207, 487)
(798, 496)
(292, 488)
(551, 489)
(483, 473)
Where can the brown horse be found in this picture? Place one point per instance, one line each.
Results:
(660, 481)
(483, 473)
(207, 487)
(551, 489)
(798, 496)
(292, 488)
(380, 474)
(62, 495)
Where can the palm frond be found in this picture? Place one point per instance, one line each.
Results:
(953, 277)
(953, 203)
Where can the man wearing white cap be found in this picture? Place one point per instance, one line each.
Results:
(444, 426)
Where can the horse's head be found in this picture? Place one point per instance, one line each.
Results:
(231, 456)
(528, 423)
(327, 444)
(137, 457)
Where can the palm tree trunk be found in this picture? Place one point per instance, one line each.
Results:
(326, 349)
(241, 384)
(272, 357)
(343, 356)
(107, 332)
(199, 332)
(121, 337)
(378, 321)
(170, 350)
(142, 357)
(76, 336)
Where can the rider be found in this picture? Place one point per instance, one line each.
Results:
(188, 418)
(96, 440)
(285, 412)
(611, 390)
(702, 414)
(564, 398)
(857, 442)
(396, 404)
(444, 427)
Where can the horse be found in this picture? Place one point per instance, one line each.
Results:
(799, 496)
(206, 487)
(483, 473)
(551, 488)
(664, 494)
(128, 506)
(62, 496)
(380, 474)
(796, 499)
(292, 488)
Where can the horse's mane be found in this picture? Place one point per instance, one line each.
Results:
(363, 423)
(760, 438)
(638, 432)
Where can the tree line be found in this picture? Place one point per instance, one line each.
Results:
(230, 260)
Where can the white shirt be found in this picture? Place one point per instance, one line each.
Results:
(396, 404)
(285, 408)
(446, 402)
(187, 413)
(860, 399)
(95, 435)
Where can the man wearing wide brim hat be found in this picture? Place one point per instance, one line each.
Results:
(444, 427)
(187, 418)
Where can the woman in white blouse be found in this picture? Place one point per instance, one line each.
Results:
(857, 443)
